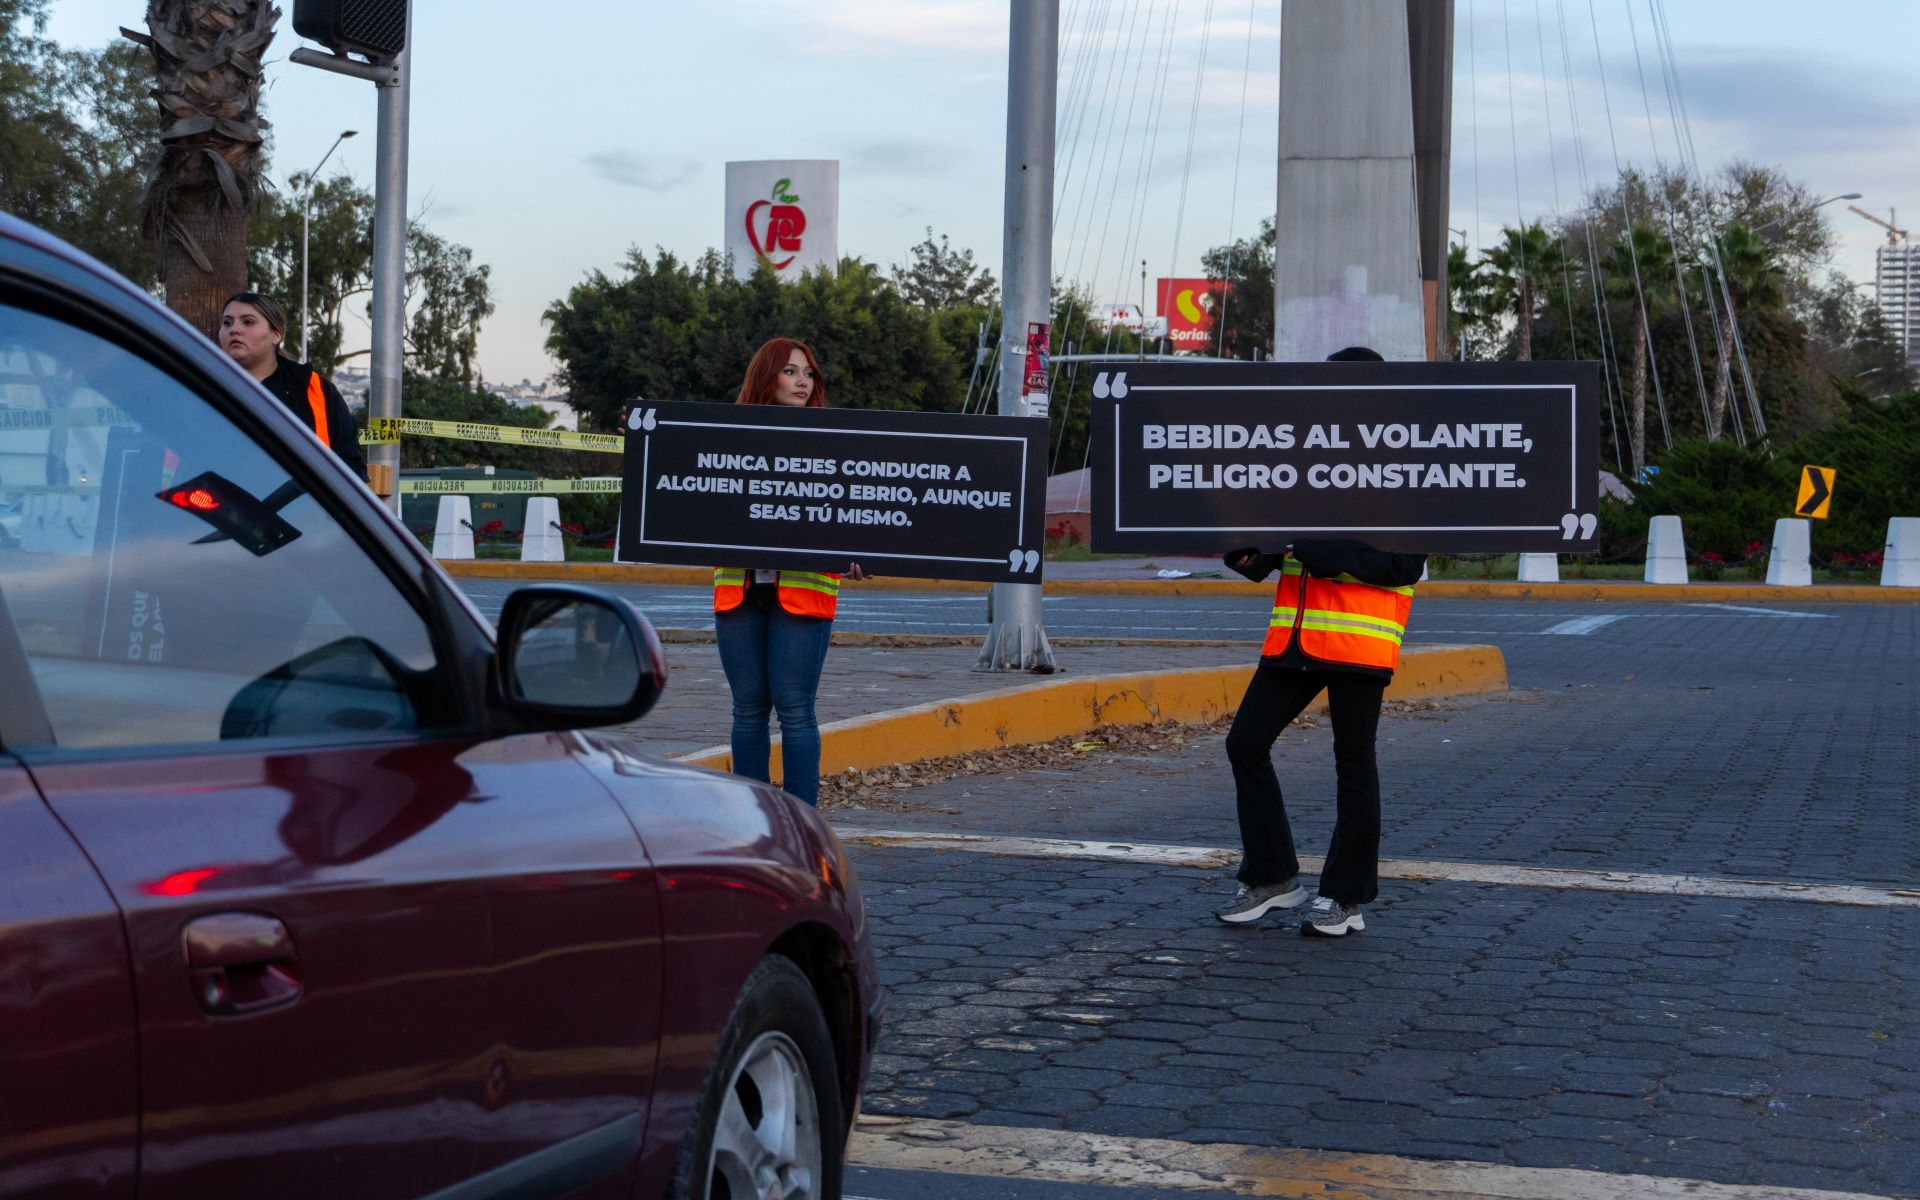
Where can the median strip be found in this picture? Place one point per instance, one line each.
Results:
(1052, 1155)
(1041, 712)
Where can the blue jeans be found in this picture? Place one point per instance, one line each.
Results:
(772, 660)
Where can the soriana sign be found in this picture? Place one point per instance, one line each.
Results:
(785, 213)
(1189, 306)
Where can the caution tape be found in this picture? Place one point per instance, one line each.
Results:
(90, 417)
(526, 487)
(385, 431)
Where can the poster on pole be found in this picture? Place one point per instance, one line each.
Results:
(928, 495)
(1199, 458)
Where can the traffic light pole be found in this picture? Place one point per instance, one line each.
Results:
(1017, 640)
(391, 83)
(390, 269)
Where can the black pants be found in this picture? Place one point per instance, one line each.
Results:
(1274, 698)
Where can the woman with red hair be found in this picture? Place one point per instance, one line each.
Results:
(774, 627)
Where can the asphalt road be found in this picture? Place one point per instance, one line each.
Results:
(1545, 643)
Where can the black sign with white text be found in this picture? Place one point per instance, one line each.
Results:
(932, 495)
(1416, 457)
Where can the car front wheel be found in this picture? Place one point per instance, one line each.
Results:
(769, 1117)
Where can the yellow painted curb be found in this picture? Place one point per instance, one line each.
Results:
(1041, 712)
(1625, 591)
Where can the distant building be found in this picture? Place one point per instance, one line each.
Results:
(354, 383)
(1896, 282)
(547, 396)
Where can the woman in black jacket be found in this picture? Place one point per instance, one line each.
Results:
(253, 330)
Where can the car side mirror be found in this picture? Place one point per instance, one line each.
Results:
(570, 656)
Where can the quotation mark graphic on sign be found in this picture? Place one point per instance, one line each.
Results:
(1578, 524)
(1117, 389)
(1023, 560)
(641, 420)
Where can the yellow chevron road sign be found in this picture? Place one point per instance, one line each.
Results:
(1816, 492)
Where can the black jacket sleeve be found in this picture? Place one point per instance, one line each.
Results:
(342, 434)
(1325, 559)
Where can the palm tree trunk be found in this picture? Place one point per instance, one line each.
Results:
(1526, 321)
(1639, 414)
(197, 292)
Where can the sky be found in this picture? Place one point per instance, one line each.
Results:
(552, 145)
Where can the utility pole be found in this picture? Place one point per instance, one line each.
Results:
(1016, 639)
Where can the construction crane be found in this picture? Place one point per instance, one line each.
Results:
(1895, 235)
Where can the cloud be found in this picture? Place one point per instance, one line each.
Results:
(646, 172)
(903, 156)
(950, 27)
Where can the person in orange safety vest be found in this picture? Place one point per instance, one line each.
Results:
(253, 332)
(773, 627)
(1339, 615)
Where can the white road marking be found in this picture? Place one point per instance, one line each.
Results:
(1585, 625)
(1766, 612)
(1001, 1152)
(1650, 883)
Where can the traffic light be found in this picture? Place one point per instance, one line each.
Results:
(375, 28)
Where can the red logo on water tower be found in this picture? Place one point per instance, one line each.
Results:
(779, 230)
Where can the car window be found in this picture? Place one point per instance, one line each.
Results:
(168, 579)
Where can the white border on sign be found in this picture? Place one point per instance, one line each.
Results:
(1573, 474)
(1020, 509)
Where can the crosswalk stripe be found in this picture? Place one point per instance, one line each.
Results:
(1511, 875)
(1002, 1152)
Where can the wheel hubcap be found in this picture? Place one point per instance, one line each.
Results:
(766, 1145)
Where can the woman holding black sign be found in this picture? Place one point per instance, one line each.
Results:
(1339, 615)
(774, 627)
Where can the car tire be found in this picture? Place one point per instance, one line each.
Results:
(769, 1121)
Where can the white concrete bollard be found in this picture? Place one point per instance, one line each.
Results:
(1666, 551)
(453, 529)
(1539, 568)
(542, 540)
(1423, 571)
(1788, 562)
(1901, 566)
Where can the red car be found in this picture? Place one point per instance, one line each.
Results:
(312, 884)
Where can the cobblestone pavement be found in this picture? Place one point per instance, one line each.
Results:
(1766, 1043)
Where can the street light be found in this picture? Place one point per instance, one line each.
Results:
(1809, 208)
(306, 205)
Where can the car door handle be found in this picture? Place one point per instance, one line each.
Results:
(240, 963)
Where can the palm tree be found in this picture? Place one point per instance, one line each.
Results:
(206, 181)
(1755, 281)
(1518, 272)
(1640, 271)
(1466, 301)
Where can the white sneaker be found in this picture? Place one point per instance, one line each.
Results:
(1250, 904)
(1329, 918)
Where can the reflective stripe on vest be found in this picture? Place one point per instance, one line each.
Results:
(802, 593)
(317, 401)
(1339, 620)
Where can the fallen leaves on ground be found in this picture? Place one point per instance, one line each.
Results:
(887, 788)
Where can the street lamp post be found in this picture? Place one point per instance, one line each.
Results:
(1808, 208)
(306, 206)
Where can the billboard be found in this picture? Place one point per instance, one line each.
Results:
(1189, 308)
(785, 212)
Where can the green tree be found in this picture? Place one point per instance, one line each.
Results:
(1518, 272)
(340, 259)
(75, 126)
(1243, 303)
(941, 277)
(1640, 274)
(1756, 282)
(447, 297)
(206, 181)
(1468, 309)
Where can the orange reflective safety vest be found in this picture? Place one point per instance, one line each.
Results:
(317, 401)
(802, 593)
(1339, 620)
